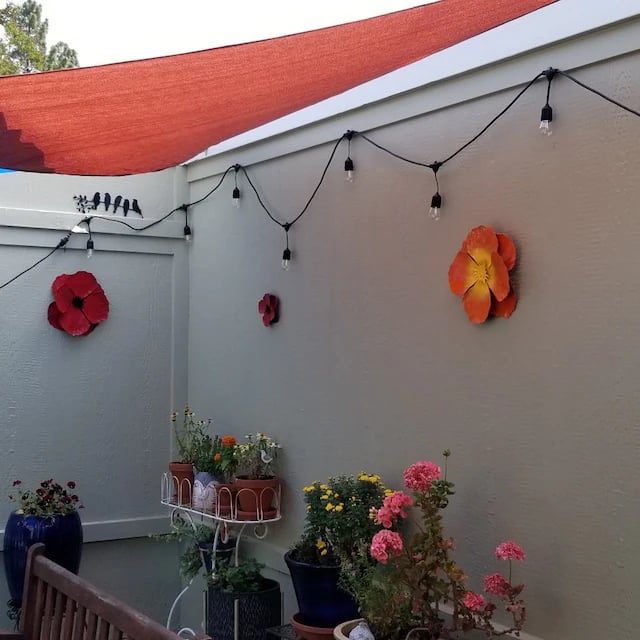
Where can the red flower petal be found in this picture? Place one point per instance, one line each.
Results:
(63, 296)
(74, 322)
(506, 307)
(82, 283)
(461, 275)
(498, 277)
(53, 314)
(263, 304)
(507, 250)
(267, 318)
(96, 306)
(480, 238)
(274, 302)
(59, 281)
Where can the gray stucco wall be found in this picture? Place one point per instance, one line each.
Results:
(374, 364)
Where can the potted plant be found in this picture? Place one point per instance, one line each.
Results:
(241, 587)
(403, 595)
(257, 486)
(198, 550)
(337, 527)
(48, 514)
(214, 473)
(188, 437)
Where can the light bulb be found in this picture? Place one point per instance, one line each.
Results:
(545, 120)
(235, 196)
(434, 209)
(286, 257)
(348, 167)
(89, 248)
(187, 233)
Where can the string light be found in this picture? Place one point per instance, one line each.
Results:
(90, 245)
(286, 254)
(348, 163)
(436, 199)
(547, 112)
(235, 196)
(187, 229)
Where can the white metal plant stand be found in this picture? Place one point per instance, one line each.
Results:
(224, 519)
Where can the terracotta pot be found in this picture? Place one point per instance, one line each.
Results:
(182, 479)
(257, 499)
(225, 492)
(342, 631)
(307, 632)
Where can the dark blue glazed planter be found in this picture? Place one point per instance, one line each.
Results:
(61, 535)
(321, 601)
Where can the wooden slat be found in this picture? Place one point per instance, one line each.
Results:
(92, 625)
(69, 614)
(45, 634)
(116, 634)
(58, 613)
(36, 621)
(79, 623)
(103, 630)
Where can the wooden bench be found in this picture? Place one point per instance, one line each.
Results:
(58, 605)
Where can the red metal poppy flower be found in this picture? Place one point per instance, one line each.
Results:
(268, 308)
(79, 304)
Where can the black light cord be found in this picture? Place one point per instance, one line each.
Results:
(63, 241)
(598, 93)
(311, 197)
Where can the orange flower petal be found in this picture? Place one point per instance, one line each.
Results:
(480, 238)
(477, 302)
(498, 277)
(461, 273)
(506, 307)
(507, 250)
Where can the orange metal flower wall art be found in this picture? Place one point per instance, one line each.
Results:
(480, 274)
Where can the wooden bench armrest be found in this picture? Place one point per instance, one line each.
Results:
(10, 635)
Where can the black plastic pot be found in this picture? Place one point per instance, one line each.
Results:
(257, 611)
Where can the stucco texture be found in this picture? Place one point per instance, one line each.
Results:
(374, 364)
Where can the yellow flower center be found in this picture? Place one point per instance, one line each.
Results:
(480, 272)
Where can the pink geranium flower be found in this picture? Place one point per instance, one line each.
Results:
(473, 601)
(419, 476)
(510, 551)
(393, 508)
(496, 584)
(386, 543)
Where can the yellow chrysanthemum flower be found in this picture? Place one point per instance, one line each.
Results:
(324, 497)
(308, 507)
(321, 544)
(339, 507)
(324, 487)
(308, 489)
(323, 552)
(329, 507)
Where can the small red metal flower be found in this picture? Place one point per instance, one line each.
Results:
(80, 303)
(268, 308)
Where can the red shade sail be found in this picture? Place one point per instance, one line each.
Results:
(147, 115)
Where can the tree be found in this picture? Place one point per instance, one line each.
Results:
(23, 48)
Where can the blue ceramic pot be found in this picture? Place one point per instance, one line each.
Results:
(61, 535)
(321, 601)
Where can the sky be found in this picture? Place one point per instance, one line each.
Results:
(106, 31)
